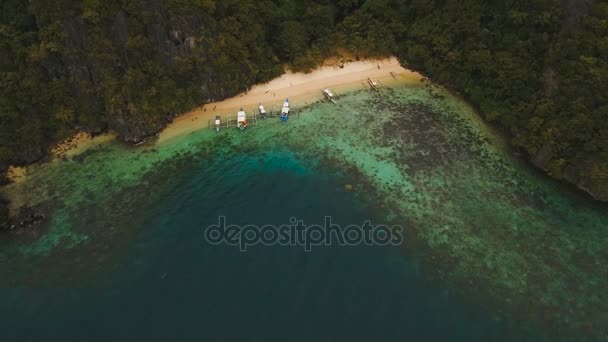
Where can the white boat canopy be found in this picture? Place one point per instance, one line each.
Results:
(328, 92)
(285, 109)
(241, 116)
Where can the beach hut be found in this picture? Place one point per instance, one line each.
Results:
(218, 123)
(241, 119)
(285, 110)
(329, 95)
(262, 111)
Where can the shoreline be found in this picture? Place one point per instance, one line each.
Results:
(78, 143)
(302, 89)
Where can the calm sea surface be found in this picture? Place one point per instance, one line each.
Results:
(123, 256)
(172, 285)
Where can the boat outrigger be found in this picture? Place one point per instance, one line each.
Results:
(241, 120)
(263, 112)
(373, 84)
(218, 123)
(285, 111)
(329, 95)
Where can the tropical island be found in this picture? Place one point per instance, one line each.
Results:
(440, 110)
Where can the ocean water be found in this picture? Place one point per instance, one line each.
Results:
(172, 285)
(493, 249)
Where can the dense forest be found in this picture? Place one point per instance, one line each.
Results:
(537, 68)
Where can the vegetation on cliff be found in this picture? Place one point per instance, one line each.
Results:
(538, 68)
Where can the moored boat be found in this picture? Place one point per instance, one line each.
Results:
(263, 112)
(329, 95)
(285, 111)
(373, 84)
(241, 119)
(218, 123)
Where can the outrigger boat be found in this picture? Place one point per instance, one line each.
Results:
(263, 112)
(373, 84)
(241, 120)
(329, 95)
(218, 123)
(285, 111)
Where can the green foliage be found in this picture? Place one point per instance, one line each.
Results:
(539, 72)
(535, 68)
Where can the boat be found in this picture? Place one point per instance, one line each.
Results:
(263, 112)
(241, 119)
(218, 123)
(373, 84)
(329, 95)
(285, 111)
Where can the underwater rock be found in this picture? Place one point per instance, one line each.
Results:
(27, 217)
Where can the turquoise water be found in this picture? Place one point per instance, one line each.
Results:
(171, 285)
(493, 250)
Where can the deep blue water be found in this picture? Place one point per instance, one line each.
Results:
(173, 286)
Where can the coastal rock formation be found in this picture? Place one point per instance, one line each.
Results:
(133, 130)
(588, 175)
(128, 68)
(594, 183)
(27, 217)
(533, 68)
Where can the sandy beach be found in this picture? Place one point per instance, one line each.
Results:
(301, 89)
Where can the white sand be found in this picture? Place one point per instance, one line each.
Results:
(301, 89)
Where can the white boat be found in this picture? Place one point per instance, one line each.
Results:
(262, 110)
(285, 110)
(241, 119)
(218, 123)
(373, 84)
(329, 95)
